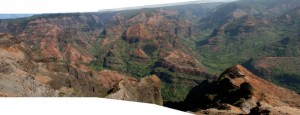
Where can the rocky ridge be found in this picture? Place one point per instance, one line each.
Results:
(238, 91)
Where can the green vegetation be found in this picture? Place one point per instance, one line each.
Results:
(234, 50)
(150, 49)
(96, 65)
(232, 44)
(175, 91)
(139, 69)
(286, 79)
(62, 94)
(217, 41)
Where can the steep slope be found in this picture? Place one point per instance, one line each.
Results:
(137, 42)
(238, 90)
(231, 12)
(259, 30)
(21, 75)
(237, 22)
(283, 71)
(281, 66)
(14, 80)
(148, 89)
(182, 45)
(152, 43)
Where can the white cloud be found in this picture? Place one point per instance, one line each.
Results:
(59, 6)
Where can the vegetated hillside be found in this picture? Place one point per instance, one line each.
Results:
(135, 43)
(182, 45)
(250, 31)
(282, 66)
(22, 75)
(245, 28)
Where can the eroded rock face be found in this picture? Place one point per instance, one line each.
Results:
(140, 55)
(180, 62)
(14, 81)
(62, 38)
(119, 41)
(21, 75)
(134, 33)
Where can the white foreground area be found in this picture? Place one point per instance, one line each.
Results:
(80, 106)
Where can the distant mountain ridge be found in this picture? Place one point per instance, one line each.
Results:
(162, 5)
(12, 16)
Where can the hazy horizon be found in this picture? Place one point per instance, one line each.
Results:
(71, 6)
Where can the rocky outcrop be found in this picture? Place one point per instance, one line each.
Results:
(147, 89)
(159, 24)
(135, 33)
(264, 91)
(262, 108)
(179, 68)
(177, 61)
(247, 25)
(139, 55)
(240, 88)
(60, 37)
(14, 80)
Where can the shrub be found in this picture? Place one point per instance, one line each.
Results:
(246, 90)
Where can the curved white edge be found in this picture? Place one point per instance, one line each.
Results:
(80, 106)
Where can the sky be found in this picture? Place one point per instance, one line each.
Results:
(68, 6)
